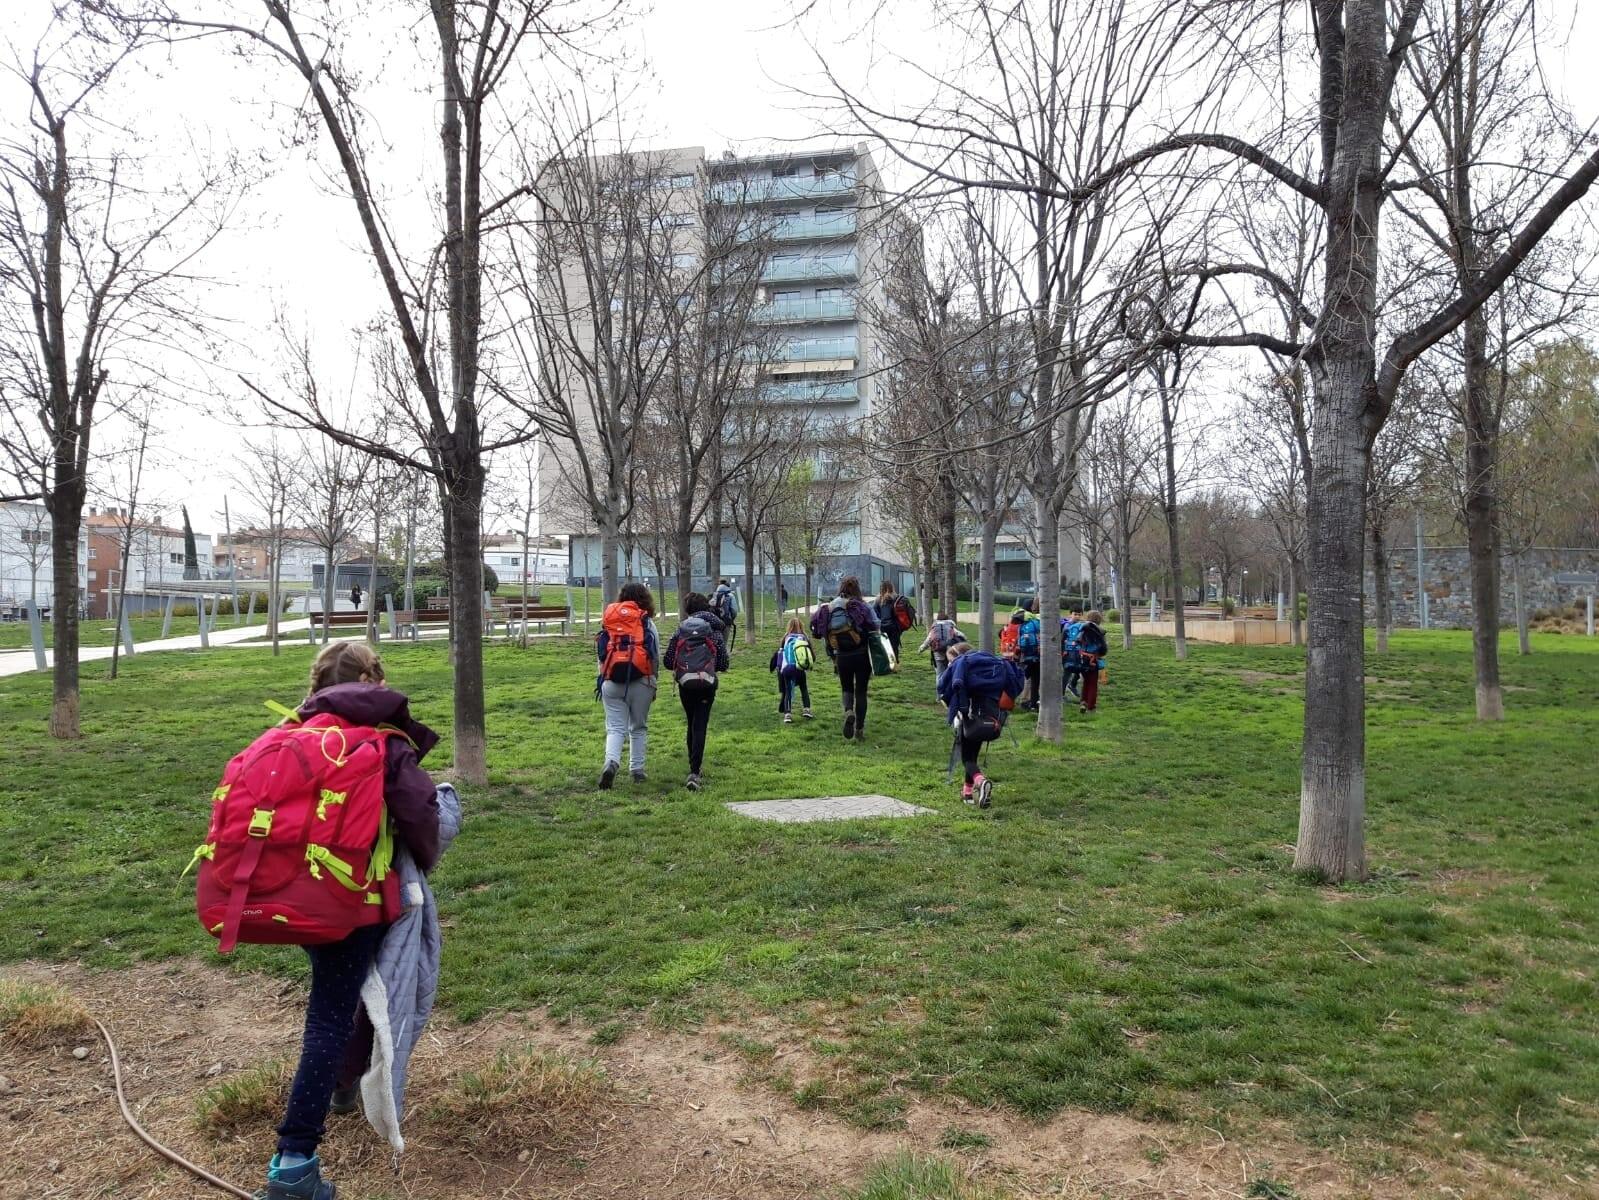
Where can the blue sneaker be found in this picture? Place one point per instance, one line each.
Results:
(303, 1181)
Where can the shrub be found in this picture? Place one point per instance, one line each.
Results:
(1113, 616)
(524, 1094)
(491, 581)
(1229, 606)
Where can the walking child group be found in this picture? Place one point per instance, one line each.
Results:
(324, 829)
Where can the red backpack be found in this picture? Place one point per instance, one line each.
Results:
(1008, 640)
(299, 847)
(627, 654)
(904, 612)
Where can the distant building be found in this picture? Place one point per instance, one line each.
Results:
(27, 574)
(251, 551)
(823, 280)
(155, 558)
(544, 561)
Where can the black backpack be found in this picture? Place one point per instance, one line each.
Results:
(982, 719)
(843, 635)
(696, 652)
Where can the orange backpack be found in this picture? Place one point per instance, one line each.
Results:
(1008, 637)
(627, 653)
(299, 848)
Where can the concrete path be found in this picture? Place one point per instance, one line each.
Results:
(826, 808)
(20, 662)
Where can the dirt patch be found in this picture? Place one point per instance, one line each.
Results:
(678, 1117)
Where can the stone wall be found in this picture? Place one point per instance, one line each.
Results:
(1448, 582)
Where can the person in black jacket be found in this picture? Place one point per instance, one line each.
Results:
(1092, 649)
(696, 655)
(847, 647)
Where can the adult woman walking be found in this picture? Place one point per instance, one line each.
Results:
(843, 624)
(629, 653)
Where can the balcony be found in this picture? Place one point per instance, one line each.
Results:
(787, 312)
(816, 349)
(845, 391)
(788, 187)
(801, 228)
(810, 266)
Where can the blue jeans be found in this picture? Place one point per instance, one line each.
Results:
(337, 972)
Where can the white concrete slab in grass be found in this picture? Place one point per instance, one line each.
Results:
(827, 808)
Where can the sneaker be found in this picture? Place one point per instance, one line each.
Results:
(608, 776)
(640, 777)
(1082, 708)
(693, 782)
(300, 1182)
(849, 727)
(788, 718)
(807, 714)
(345, 1100)
(966, 793)
(860, 732)
(983, 791)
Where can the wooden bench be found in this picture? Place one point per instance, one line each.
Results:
(335, 619)
(539, 614)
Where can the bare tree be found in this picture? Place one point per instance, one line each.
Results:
(269, 472)
(1269, 458)
(1392, 483)
(1126, 484)
(94, 248)
(755, 498)
(128, 530)
(436, 298)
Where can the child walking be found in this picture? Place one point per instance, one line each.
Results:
(628, 649)
(793, 662)
(1092, 647)
(696, 655)
(977, 688)
(347, 683)
(942, 636)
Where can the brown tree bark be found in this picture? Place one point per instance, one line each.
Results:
(1380, 589)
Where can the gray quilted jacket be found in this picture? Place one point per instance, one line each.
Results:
(402, 983)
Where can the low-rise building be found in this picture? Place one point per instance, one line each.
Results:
(155, 557)
(27, 574)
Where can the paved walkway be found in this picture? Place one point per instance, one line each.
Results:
(827, 808)
(20, 662)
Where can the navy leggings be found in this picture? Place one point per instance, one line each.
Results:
(337, 972)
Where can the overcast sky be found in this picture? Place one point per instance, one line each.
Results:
(715, 73)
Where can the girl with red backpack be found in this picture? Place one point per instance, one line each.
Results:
(696, 655)
(628, 650)
(349, 699)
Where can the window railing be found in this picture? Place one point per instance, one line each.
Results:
(811, 349)
(833, 308)
(787, 187)
(810, 266)
(845, 391)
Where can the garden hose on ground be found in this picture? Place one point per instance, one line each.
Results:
(170, 1155)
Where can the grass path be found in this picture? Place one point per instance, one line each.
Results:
(1123, 932)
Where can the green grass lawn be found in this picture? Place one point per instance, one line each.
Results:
(1122, 931)
(101, 631)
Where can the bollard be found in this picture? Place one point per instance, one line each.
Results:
(205, 632)
(166, 620)
(488, 615)
(249, 615)
(388, 607)
(126, 630)
(36, 631)
(1590, 614)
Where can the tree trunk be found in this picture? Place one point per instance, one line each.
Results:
(1048, 595)
(750, 549)
(274, 597)
(327, 591)
(1482, 523)
(987, 569)
(66, 511)
(713, 545)
(683, 547)
(610, 550)
(466, 627)
(1523, 641)
(1296, 575)
(372, 579)
(410, 550)
(948, 551)
(1332, 804)
(1174, 546)
(1379, 577)
(1126, 598)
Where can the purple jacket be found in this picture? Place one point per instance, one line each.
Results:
(408, 790)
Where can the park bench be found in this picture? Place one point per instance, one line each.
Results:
(336, 619)
(534, 614)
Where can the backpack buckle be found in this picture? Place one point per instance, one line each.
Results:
(261, 823)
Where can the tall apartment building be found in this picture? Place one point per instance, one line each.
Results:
(824, 278)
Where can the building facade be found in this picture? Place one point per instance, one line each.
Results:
(831, 243)
(155, 558)
(27, 574)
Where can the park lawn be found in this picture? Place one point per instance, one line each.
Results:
(1123, 931)
(101, 631)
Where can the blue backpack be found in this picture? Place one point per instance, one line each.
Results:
(1027, 639)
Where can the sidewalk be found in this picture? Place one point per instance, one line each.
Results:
(20, 662)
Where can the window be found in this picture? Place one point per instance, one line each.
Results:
(35, 537)
(785, 171)
(682, 181)
(175, 556)
(93, 553)
(680, 220)
(789, 297)
(829, 293)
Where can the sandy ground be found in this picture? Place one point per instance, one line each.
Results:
(679, 1117)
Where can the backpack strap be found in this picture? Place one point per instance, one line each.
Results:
(249, 859)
